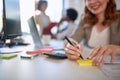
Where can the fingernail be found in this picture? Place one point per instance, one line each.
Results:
(78, 45)
(66, 48)
(89, 57)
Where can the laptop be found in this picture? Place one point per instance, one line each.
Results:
(35, 36)
(34, 32)
(37, 39)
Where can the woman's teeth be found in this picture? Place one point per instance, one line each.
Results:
(95, 6)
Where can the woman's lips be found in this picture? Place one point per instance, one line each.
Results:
(95, 6)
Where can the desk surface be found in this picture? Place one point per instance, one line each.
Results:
(45, 68)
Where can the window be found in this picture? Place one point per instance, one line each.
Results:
(1, 11)
(54, 10)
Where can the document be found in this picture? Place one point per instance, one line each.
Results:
(7, 50)
(112, 69)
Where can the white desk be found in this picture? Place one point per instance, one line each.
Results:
(44, 68)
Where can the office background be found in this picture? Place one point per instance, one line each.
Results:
(55, 13)
(37, 68)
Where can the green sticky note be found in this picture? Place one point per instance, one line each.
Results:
(8, 56)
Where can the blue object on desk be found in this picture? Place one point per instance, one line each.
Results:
(56, 55)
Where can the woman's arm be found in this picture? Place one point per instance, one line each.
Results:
(79, 33)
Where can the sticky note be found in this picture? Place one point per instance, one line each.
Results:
(85, 62)
(8, 56)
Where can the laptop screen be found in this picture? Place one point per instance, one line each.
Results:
(34, 32)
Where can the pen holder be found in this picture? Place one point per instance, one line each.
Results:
(84, 62)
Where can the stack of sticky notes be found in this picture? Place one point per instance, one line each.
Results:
(85, 62)
(8, 56)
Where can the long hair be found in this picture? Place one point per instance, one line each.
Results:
(110, 15)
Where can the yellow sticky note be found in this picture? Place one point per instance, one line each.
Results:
(85, 62)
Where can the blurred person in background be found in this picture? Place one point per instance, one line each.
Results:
(70, 17)
(42, 19)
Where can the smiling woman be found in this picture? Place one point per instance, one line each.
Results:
(100, 29)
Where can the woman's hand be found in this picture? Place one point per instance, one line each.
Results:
(62, 19)
(73, 52)
(101, 53)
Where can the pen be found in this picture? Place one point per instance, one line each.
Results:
(72, 45)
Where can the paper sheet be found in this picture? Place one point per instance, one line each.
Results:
(8, 50)
(111, 70)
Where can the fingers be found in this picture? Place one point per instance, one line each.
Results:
(72, 52)
(65, 43)
(112, 57)
(72, 57)
(94, 52)
(80, 47)
(101, 52)
(100, 55)
(103, 58)
(73, 42)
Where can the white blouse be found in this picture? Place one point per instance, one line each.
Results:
(99, 38)
(68, 32)
(45, 19)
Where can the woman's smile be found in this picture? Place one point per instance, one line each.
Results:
(95, 6)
